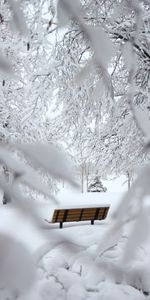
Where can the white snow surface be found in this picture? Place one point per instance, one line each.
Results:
(73, 268)
(74, 199)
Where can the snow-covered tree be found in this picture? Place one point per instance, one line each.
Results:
(100, 81)
(81, 88)
(96, 185)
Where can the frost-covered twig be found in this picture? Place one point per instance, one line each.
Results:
(140, 118)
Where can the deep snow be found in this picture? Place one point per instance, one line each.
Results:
(73, 268)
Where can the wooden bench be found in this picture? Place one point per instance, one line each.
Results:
(79, 214)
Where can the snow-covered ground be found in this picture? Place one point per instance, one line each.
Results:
(73, 198)
(74, 267)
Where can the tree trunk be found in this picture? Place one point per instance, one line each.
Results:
(87, 177)
(82, 178)
(5, 196)
(4, 199)
(129, 180)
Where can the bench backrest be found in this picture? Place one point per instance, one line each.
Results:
(79, 214)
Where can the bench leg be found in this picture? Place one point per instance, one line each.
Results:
(61, 225)
(92, 222)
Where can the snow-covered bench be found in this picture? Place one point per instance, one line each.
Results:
(80, 214)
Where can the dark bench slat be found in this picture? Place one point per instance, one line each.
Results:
(81, 214)
(87, 218)
(88, 214)
(73, 219)
(65, 215)
(96, 213)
